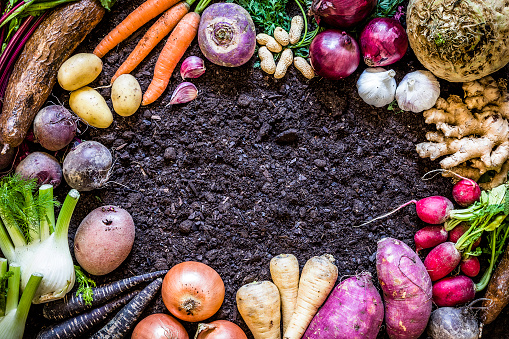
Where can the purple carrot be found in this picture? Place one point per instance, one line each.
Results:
(67, 307)
(83, 323)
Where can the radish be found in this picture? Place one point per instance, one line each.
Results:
(470, 266)
(442, 260)
(458, 231)
(430, 236)
(453, 291)
(466, 192)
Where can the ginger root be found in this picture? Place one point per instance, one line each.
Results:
(472, 134)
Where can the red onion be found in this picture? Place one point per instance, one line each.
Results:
(383, 42)
(341, 13)
(334, 54)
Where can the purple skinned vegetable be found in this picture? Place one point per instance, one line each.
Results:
(227, 35)
(42, 166)
(54, 127)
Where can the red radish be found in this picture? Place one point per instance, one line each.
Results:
(458, 231)
(466, 192)
(470, 266)
(442, 260)
(434, 210)
(430, 236)
(453, 291)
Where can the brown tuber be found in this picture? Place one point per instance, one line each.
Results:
(472, 134)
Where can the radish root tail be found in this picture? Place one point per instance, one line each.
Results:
(387, 214)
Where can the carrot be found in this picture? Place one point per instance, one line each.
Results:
(67, 307)
(81, 324)
(259, 305)
(284, 269)
(154, 35)
(317, 280)
(173, 50)
(127, 316)
(139, 17)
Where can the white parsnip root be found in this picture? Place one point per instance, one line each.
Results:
(296, 29)
(316, 282)
(281, 36)
(269, 42)
(284, 270)
(259, 305)
(304, 67)
(284, 62)
(267, 64)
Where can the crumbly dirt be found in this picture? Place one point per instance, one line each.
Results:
(255, 167)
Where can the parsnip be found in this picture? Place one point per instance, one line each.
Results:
(259, 305)
(317, 280)
(284, 269)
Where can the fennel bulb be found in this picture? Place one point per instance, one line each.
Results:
(29, 236)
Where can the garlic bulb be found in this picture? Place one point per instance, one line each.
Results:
(377, 86)
(418, 91)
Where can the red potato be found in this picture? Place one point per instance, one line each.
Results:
(353, 310)
(406, 287)
(430, 236)
(470, 267)
(458, 231)
(453, 291)
(442, 260)
(104, 239)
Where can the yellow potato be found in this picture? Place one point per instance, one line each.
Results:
(79, 70)
(90, 106)
(126, 95)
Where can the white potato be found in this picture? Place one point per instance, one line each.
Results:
(90, 106)
(126, 95)
(79, 70)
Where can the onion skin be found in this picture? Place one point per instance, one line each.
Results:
(383, 42)
(159, 326)
(341, 13)
(334, 54)
(227, 35)
(220, 329)
(192, 291)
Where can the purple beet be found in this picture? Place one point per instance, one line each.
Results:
(42, 166)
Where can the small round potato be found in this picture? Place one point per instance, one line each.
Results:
(79, 70)
(126, 95)
(90, 106)
(104, 239)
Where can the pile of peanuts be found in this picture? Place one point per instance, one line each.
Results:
(275, 44)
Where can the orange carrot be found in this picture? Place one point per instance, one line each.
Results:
(140, 16)
(154, 35)
(173, 50)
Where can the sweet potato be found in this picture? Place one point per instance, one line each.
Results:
(497, 291)
(406, 287)
(35, 71)
(353, 310)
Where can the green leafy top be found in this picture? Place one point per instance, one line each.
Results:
(85, 286)
(386, 8)
(267, 14)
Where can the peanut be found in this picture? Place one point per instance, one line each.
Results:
(281, 36)
(284, 61)
(296, 28)
(271, 43)
(302, 65)
(268, 65)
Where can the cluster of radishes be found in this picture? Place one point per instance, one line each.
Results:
(444, 257)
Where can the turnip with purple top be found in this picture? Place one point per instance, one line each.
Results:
(227, 35)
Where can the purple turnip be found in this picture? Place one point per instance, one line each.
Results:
(88, 166)
(42, 166)
(454, 323)
(227, 35)
(54, 127)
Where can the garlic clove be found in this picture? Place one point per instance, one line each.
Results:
(418, 91)
(377, 86)
(192, 67)
(184, 92)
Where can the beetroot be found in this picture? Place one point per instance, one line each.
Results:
(54, 127)
(453, 291)
(458, 231)
(466, 192)
(354, 309)
(470, 267)
(407, 289)
(42, 166)
(430, 236)
(434, 210)
(442, 260)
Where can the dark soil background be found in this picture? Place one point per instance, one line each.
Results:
(255, 167)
